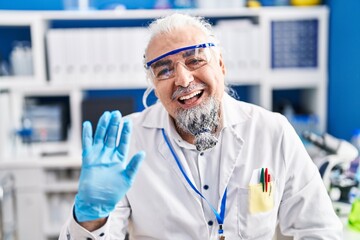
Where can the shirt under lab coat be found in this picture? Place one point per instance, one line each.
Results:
(162, 205)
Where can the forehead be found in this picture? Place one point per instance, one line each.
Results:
(177, 38)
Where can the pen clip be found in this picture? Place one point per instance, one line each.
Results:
(262, 179)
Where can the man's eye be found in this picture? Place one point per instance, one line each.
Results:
(163, 72)
(194, 61)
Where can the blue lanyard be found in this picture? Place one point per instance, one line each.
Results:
(219, 217)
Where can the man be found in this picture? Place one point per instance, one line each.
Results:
(215, 167)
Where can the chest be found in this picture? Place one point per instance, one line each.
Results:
(161, 194)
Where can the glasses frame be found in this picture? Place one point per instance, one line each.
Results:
(202, 45)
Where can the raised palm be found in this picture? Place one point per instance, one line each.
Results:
(105, 178)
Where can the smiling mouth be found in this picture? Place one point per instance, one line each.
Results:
(190, 98)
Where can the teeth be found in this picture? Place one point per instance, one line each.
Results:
(190, 95)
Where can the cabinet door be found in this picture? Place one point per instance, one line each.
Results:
(29, 217)
(23, 201)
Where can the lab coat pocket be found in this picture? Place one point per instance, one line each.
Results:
(260, 200)
(257, 215)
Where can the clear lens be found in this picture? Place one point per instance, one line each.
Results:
(191, 59)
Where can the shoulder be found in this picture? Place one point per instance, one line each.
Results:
(150, 116)
(240, 112)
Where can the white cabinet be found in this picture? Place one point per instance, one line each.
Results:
(44, 192)
(36, 27)
(274, 55)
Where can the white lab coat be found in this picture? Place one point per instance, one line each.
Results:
(162, 205)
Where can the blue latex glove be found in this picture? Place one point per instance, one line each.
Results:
(104, 178)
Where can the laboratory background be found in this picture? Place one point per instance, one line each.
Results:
(66, 61)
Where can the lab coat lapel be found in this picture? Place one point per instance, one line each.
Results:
(234, 118)
(230, 151)
(159, 118)
(165, 152)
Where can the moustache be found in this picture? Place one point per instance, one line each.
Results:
(185, 90)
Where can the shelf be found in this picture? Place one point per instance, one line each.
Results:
(124, 14)
(99, 85)
(239, 82)
(42, 163)
(296, 82)
(148, 14)
(68, 186)
(11, 18)
(16, 82)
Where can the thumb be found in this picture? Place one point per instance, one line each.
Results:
(134, 164)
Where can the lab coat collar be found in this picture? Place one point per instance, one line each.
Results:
(157, 116)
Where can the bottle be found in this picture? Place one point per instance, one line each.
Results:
(353, 194)
(354, 165)
(162, 4)
(21, 59)
(178, 4)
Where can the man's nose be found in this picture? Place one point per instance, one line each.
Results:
(183, 76)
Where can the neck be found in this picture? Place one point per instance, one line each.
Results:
(188, 137)
(185, 135)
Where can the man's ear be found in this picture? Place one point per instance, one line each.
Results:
(222, 64)
(155, 92)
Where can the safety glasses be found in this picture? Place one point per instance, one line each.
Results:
(191, 57)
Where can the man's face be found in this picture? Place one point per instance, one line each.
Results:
(186, 89)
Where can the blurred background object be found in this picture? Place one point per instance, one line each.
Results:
(305, 2)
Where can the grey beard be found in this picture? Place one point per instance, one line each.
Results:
(202, 122)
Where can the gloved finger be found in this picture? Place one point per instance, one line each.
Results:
(133, 165)
(101, 128)
(87, 139)
(112, 130)
(123, 147)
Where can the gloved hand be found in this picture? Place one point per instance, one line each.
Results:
(104, 178)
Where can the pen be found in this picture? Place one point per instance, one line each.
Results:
(262, 179)
(266, 179)
(269, 180)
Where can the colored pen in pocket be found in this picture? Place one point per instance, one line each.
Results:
(262, 179)
(270, 185)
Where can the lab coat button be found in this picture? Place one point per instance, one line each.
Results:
(101, 234)
(202, 154)
(88, 238)
(210, 223)
(206, 187)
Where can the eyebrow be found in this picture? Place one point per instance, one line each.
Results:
(167, 61)
(161, 63)
(188, 53)
(202, 45)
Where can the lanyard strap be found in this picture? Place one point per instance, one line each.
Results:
(219, 217)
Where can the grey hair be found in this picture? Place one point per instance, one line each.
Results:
(175, 21)
(170, 23)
